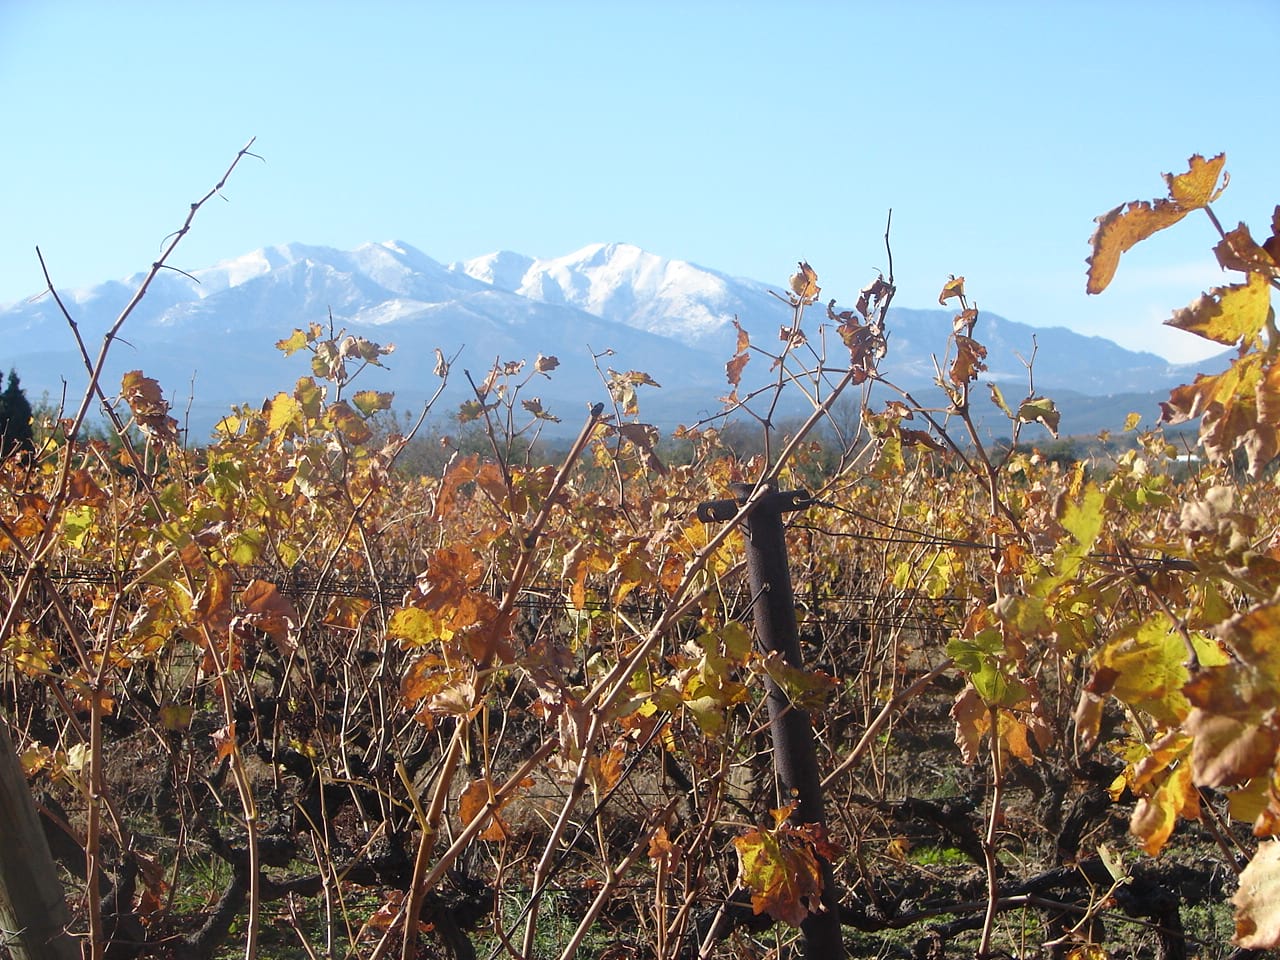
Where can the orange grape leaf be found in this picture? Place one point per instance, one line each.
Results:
(81, 488)
(1199, 185)
(1257, 901)
(268, 610)
(663, 850)
(474, 802)
(784, 878)
(224, 740)
(1238, 251)
(744, 341)
(1228, 314)
(804, 283)
(422, 679)
(1121, 229)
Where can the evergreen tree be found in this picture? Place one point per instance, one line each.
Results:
(15, 418)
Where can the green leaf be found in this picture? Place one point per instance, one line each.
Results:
(998, 399)
(1040, 410)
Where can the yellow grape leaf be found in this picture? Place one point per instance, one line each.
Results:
(954, 287)
(888, 462)
(1228, 314)
(1257, 901)
(1131, 421)
(783, 876)
(369, 402)
(804, 283)
(293, 343)
(1131, 223)
(1154, 816)
(413, 627)
(997, 397)
(1146, 669)
(283, 412)
(1199, 185)
(176, 716)
(1088, 951)
(1228, 405)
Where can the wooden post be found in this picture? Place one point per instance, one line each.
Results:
(33, 910)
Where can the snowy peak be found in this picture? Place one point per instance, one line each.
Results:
(503, 269)
(623, 283)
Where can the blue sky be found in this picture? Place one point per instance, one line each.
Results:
(740, 136)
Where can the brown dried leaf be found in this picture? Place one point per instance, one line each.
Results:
(1238, 251)
(150, 409)
(954, 287)
(1257, 901)
(733, 369)
(969, 360)
(972, 721)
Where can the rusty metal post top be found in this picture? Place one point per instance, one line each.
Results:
(717, 511)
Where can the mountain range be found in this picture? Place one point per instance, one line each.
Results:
(209, 335)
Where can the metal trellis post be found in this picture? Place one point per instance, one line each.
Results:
(795, 758)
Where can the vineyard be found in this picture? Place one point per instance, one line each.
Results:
(278, 696)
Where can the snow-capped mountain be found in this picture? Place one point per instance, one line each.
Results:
(623, 283)
(208, 336)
